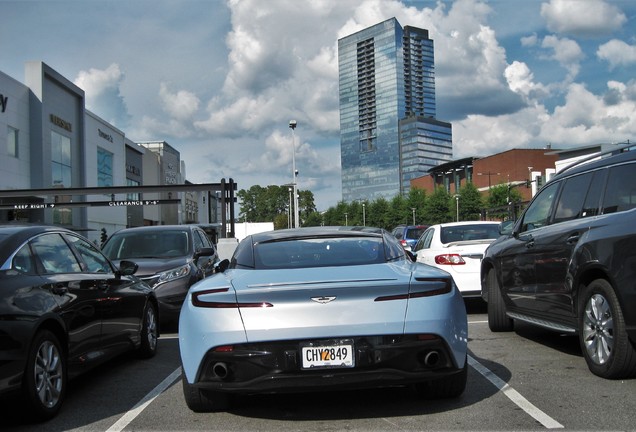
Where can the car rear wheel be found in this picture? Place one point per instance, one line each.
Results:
(149, 332)
(45, 376)
(498, 321)
(448, 387)
(199, 400)
(602, 333)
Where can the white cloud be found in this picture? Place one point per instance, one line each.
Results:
(521, 81)
(617, 53)
(582, 18)
(565, 51)
(102, 93)
(181, 105)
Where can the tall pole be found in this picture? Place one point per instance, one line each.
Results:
(364, 215)
(292, 125)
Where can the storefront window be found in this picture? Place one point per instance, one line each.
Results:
(104, 168)
(60, 160)
(61, 175)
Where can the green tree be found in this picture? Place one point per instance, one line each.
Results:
(313, 219)
(499, 200)
(399, 212)
(271, 204)
(470, 203)
(378, 213)
(437, 208)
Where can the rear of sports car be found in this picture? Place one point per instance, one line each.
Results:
(294, 330)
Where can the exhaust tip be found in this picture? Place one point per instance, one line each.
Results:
(431, 358)
(220, 370)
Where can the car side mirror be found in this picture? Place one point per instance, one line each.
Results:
(205, 251)
(221, 266)
(128, 268)
(412, 256)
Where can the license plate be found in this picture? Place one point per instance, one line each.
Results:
(328, 356)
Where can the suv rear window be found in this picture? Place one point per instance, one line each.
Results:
(620, 192)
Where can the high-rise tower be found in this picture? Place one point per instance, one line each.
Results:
(388, 130)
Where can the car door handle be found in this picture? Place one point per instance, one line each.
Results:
(574, 238)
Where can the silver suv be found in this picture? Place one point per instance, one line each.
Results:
(569, 263)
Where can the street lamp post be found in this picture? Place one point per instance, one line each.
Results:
(292, 126)
(364, 215)
(413, 210)
(289, 221)
(457, 203)
(346, 219)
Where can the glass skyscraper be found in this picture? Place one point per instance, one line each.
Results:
(388, 130)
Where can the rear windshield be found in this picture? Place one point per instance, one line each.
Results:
(414, 233)
(322, 252)
(469, 232)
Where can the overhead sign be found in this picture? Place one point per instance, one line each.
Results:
(116, 203)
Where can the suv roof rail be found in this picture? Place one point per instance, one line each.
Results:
(625, 146)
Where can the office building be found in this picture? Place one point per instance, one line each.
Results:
(388, 130)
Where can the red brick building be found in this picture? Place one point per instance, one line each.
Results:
(515, 167)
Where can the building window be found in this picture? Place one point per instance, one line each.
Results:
(104, 168)
(61, 175)
(12, 142)
(60, 160)
(132, 196)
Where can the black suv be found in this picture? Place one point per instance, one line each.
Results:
(569, 263)
(171, 258)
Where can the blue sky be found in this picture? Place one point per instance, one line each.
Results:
(220, 80)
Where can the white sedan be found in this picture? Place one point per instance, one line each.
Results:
(458, 248)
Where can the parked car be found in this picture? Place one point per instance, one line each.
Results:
(408, 235)
(170, 258)
(64, 308)
(569, 263)
(321, 309)
(458, 248)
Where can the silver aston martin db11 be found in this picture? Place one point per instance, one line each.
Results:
(321, 309)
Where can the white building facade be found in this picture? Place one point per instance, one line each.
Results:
(49, 140)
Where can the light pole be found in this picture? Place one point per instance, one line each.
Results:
(346, 219)
(292, 126)
(457, 201)
(289, 222)
(413, 210)
(364, 215)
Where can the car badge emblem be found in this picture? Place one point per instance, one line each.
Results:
(323, 299)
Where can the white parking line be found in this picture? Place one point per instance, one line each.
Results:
(514, 396)
(142, 404)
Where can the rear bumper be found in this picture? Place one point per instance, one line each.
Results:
(275, 367)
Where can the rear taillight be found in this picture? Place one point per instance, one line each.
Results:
(449, 259)
(199, 302)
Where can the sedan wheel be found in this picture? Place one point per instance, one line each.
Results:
(602, 333)
(149, 333)
(45, 376)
